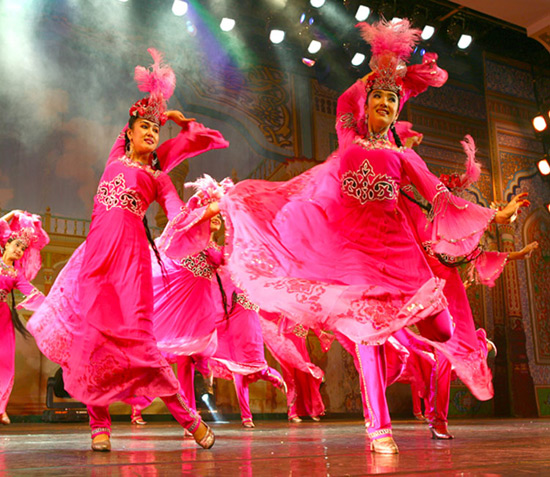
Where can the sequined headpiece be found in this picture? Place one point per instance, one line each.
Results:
(392, 44)
(24, 235)
(27, 228)
(159, 81)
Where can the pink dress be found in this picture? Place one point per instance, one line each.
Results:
(331, 249)
(240, 355)
(11, 279)
(240, 342)
(96, 321)
(187, 303)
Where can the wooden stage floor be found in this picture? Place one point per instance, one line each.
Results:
(509, 447)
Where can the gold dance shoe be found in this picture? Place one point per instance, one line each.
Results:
(204, 436)
(294, 420)
(5, 419)
(248, 425)
(101, 443)
(385, 445)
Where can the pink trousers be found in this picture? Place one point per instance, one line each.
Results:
(241, 387)
(370, 362)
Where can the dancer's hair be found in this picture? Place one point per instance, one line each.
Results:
(155, 164)
(15, 319)
(224, 297)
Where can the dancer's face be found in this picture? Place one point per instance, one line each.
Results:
(144, 136)
(382, 108)
(14, 250)
(215, 223)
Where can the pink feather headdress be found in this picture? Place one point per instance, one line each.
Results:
(392, 44)
(159, 81)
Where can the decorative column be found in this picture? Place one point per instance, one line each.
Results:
(521, 387)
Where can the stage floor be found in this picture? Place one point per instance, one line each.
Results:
(509, 447)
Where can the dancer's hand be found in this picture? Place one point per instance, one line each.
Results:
(11, 215)
(178, 117)
(524, 253)
(510, 212)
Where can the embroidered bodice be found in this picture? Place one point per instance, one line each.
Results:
(130, 186)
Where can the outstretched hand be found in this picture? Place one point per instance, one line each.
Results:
(510, 212)
(528, 249)
(178, 117)
(524, 253)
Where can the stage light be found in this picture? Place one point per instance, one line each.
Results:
(179, 8)
(227, 24)
(302, 17)
(317, 3)
(276, 36)
(314, 47)
(308, 62)
(396, 20)
(544, 166)
(123, 1)
(427, 32)
(358, 59)
(204, 398)
(539, 123)
(548, 207)
(362, 13)
(464, 42)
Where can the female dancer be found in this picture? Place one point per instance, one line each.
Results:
(21, 239)
(199, 327)
(361, 273)
(96, 321)
(301, 376)
(187, 304)
(240, 354)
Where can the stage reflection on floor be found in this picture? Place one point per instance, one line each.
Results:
(508, 447)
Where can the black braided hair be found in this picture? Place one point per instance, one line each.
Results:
(396, 137)
(398, 143)
(155, 164)
(16, 320)
(226, 311)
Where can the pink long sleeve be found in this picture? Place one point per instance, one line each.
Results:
(457, 224)
(193, 139)
(167, 196)
(119, 146)
(350, 114)
(489, 266)
(34, 297)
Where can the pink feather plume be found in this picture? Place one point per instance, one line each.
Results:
(159, 80)
(398, 38)
(473, 168)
